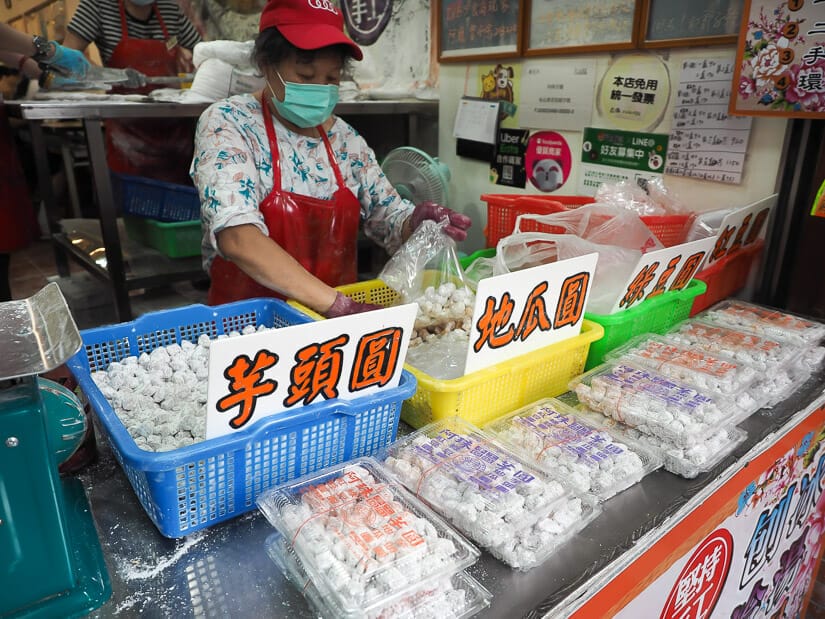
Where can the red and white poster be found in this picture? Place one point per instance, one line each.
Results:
(548, 160)
(749, 550)
(780, 60)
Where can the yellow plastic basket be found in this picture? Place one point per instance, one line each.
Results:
(482, 396)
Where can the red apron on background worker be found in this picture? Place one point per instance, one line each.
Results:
(135, 34)
(284, 184)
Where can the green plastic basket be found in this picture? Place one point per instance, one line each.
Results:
(655, 315)
(176, 239)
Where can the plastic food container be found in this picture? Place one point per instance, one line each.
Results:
(709, 372)
(507, 506)
(655, 404)
(454, 597)
(687, 462)
(766, 321)
(194, 487)
(363, 540)
(762, 352)
(573, 450)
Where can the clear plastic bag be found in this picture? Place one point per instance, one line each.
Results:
(706, 225)
(427, 258)
(426, 271)
(597, 223)
(527, 249)
(629, 196)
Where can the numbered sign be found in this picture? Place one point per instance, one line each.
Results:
(520, 312)
(741, 228)
(662, 270)
(261, 374)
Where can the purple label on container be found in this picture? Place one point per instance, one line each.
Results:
(657, 386)
(473, 461)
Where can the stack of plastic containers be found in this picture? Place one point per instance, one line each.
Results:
(574, 450)
(360, 546)
(781, 363)
(691, 430)
(512, 509)
(730, 381)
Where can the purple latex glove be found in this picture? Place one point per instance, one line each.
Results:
(343, 306)
(457, 228)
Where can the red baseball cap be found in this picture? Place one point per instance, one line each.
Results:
(308, 24)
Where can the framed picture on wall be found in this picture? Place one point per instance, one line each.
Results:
(568, 26)
(478, 29)
(675, 23)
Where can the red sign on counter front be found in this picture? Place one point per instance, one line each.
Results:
(697, 589)
(261, 374)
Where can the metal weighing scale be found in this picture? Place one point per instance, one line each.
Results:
(51, 564)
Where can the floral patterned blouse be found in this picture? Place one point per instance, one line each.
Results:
(232, 169)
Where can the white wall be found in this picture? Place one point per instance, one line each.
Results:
(470, 177)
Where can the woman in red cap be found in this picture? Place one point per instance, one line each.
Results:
(284, 183)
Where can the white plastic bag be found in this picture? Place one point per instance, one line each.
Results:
(523, 250)
(598, 223)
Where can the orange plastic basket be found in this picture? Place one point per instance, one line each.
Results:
(726, 276)
(503, 210)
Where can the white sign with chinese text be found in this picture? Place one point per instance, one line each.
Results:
(557, 96)
(476, 120)
(662, 270)
(742, 227)
(705, 142)
(523, 311)
(261, 374)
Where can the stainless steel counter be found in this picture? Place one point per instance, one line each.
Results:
(92, 113)
(224, 571)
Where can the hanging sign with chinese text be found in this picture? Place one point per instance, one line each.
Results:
(741, 228)
(261, 374)
(523, 311)
(634, 92)
(663, 270)
(559, 95)
(780, 60)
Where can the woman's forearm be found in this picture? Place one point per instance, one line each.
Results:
(270, 265)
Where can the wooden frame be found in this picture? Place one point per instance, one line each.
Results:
(587, 22)
(471, 54)
(687, 40)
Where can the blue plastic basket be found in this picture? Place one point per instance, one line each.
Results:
(194, 487)
(146, 197)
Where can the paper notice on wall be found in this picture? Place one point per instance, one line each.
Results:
(705, 142)
(558, 95)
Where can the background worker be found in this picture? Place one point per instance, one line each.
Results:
(284, 184)
(156, 39)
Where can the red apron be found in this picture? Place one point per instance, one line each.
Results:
(156, 148)
(320, 234)
(18, 223)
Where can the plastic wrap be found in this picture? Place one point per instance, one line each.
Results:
(572, 450)
(363, 540)
(519, 514)
(454, 597)
(655, 404)
(782, 326)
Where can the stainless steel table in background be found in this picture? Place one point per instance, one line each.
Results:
(223, 571)
(92, 114)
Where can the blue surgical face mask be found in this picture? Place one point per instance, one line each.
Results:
(305, 105)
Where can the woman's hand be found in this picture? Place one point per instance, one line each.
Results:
(344, 306)
(184, 60)
(68, 62)
(456, 229)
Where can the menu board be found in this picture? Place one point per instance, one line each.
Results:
(478, 28)
(705, 142)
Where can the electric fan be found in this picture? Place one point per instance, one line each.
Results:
(417, 176)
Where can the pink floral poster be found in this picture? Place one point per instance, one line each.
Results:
(780, 61)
